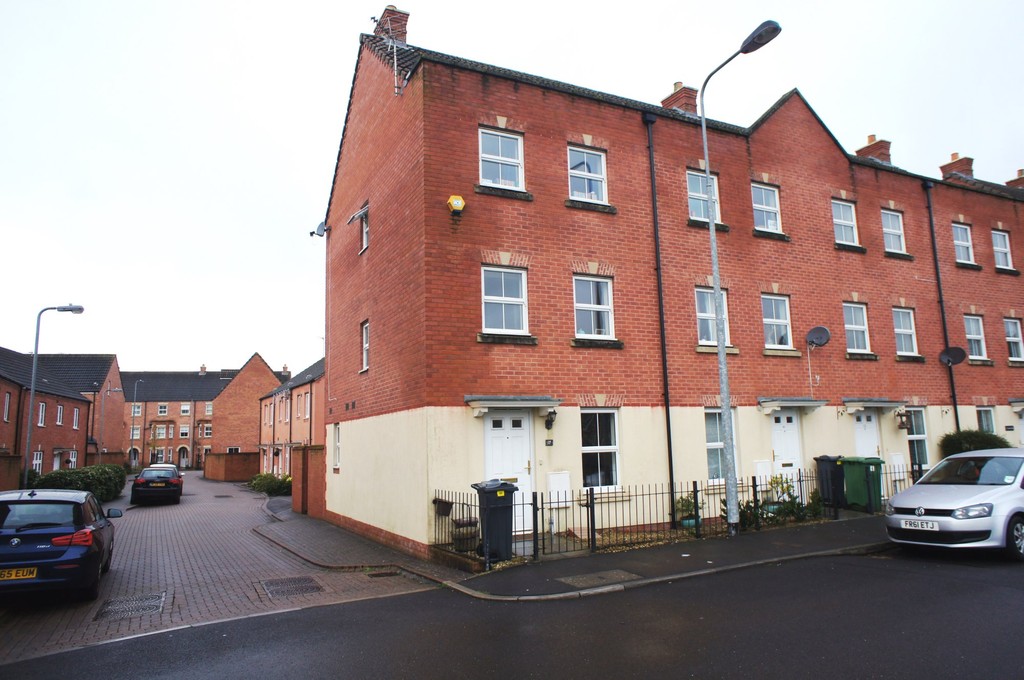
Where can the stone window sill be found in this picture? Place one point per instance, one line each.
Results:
(504, 193)
(501, 339)
(587, 205)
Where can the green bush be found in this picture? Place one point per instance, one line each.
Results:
(272, 485)
(970, 440)
(104, 481)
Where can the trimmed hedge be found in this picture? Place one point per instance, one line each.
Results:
(970, 440)
(272, 485)
(105, 481)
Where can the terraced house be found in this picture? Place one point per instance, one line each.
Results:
(496, 244)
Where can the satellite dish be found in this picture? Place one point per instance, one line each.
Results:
(951, 356)
(321, 229)
(818, 336)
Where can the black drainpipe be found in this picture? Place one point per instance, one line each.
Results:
(649, 120)
(928, 185)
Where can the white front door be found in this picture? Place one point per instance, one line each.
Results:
(866, 442)
(509, 457)
(786, 451)
(1020, 427)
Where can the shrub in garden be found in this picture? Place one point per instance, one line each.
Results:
(272, 485)
(970, 440)
(104, 481)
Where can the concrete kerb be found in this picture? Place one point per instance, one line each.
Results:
(866, 549)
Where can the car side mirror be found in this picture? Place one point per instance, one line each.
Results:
(114, 512)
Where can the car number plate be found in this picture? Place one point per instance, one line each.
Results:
(919, 524)
(158, 484)
(19, 573)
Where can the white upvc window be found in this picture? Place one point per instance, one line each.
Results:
(587, 175)
(766, 208)
(183, 430)
(593, 304)
(962, 243)
(73, 458)
(986, 419)
(136, 431)
(504, 301)
(697, 193)
(1001, 249)
(209, 408)
(336, 432)
(161, 409)
(160, 432)
(906, 333)
(501, 160)
(308, 397)
(975, 331)
(917, 437)
(136, 410)
(892, 232)
(707, 331)
(75, 413)
(186, 408)
(775, 318)
(59, 420)
(600, 437)
(1014, 341)
(37, 462)
(855, 320)
(364, 332)
(714, 443)
(7, 407)
(207, 430)
(844, 222)
(41, 422)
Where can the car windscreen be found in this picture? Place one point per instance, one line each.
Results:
(157, 474)
(26, 515)
(975, 470)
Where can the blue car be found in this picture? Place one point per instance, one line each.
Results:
(54, 539)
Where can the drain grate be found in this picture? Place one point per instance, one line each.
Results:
(137, 605)
(287, 587)
(224, 496)
(598, 579)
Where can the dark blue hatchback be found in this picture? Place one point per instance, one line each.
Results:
(53, 539)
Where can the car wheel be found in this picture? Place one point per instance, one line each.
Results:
(177, 499)
(92, 591)
(110, 558)
(1015, 538)
(134, 500)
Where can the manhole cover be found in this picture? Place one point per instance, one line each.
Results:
(125, 607)
(287, 587)
(598, 579)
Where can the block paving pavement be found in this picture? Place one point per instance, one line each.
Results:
(213, 557)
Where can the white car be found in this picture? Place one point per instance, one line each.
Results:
(970, 500)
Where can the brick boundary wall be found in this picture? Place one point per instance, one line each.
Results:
(232, 467)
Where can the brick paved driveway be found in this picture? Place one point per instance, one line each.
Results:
(182, 565)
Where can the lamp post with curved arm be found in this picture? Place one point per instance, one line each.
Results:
(761, 36)
(74, 309)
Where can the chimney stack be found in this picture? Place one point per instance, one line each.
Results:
(202, 370)
(1018, 181)
(958, 165)
(683, 98)
(392, 24)
(877, 149)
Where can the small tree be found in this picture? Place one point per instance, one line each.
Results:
(970, 440)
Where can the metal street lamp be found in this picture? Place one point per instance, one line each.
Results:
(74, 309)
(761, 36)
(131, 433)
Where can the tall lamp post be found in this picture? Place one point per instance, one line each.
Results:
(131, 433)
(74, 309)
(761, 36)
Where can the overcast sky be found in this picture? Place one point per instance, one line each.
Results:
(162, 162)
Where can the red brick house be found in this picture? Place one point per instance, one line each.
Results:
(59, 420)
(184, 417)
(291, 418)
(519, 334)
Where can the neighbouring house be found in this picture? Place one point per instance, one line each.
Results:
(519, 286)
(97, 378)
(59, 420)
(291, 418)
(186, 417)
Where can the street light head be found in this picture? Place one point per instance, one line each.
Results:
(74, 309)
(761, 36)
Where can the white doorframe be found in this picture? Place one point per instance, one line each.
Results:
(509, 456)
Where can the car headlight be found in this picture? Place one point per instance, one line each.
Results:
(973, 511)
(889, 510)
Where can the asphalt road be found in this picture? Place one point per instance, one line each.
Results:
(900, 615)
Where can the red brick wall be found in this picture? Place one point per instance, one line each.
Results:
(419, 282)
(309, 480)
(236, 410)
(231, 467)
